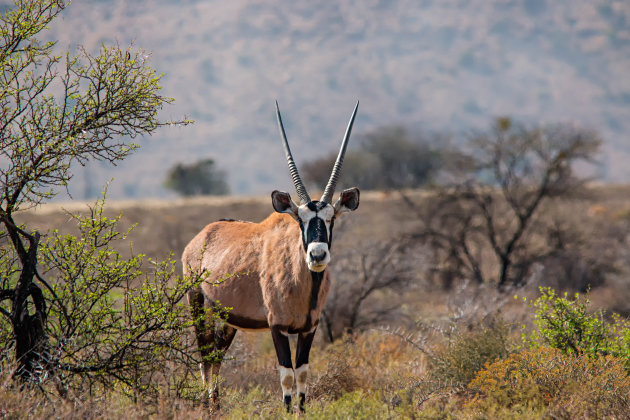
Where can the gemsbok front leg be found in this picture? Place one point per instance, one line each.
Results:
(305, 340)
(283, 352)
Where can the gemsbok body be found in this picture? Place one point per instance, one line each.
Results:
(273, 275)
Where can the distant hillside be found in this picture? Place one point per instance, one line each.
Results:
(430, 65)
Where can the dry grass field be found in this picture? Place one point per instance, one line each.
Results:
(422, 361)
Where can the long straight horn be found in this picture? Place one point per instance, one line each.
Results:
(295, 176)
(332, 182)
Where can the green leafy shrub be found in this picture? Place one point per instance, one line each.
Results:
(114, 323)
(58, 299)
(113, 320)
(565, 324)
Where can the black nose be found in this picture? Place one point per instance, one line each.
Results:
(318, 257)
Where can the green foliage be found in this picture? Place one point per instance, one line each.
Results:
(199, 178)
(75, 309)
(112, 321)
(467, 352)
(565, 324)
(59, 110)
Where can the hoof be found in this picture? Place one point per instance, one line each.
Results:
(302, 402)
(287, 404)
(215, 406)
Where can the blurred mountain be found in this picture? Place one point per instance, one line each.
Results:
(445, 66)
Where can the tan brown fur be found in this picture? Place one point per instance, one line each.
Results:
(258, 270)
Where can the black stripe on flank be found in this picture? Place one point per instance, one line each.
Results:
(294, 330)
(247, 323)
(241, 321)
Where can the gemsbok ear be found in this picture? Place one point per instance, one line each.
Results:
(282, 203)
(349, 200)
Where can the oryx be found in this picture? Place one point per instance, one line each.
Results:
(273, 274)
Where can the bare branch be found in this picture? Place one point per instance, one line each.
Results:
(497, 209)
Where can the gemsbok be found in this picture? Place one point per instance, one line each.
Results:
(273, 275)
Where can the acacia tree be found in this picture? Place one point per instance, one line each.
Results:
(488, 226)
(58, 111)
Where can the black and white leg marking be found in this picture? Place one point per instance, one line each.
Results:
(305, 341)
(283, 352)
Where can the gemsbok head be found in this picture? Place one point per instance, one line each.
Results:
(273, 275)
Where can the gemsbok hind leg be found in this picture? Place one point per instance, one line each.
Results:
(213, 346)
(305, 340)
(212, 341)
